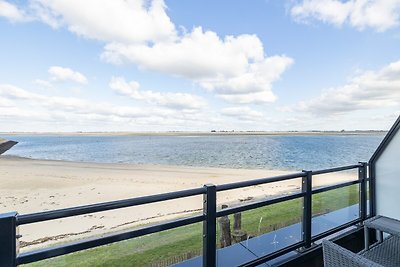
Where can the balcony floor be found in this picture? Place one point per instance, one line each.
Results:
(256, 247)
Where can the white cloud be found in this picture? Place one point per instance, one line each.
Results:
(391, 117)
(242, 113)
(368, 90)
(65, 74)
(249, 98)
(43, 83)
(4, 102)
(171, 100)
(377, 14)
(12, 13)
(235, 68)
(75, 105)
(70, 113)
(122, 21)
(44, 14)
(328, 11)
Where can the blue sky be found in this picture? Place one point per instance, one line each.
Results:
(199, 65)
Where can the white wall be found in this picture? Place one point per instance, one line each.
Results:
(387, 171)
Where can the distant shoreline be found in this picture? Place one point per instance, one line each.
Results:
(217, 133)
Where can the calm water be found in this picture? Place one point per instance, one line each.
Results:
(267, 152)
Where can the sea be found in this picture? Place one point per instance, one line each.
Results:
(279, 152)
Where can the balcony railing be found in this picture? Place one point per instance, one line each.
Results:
(10, 221)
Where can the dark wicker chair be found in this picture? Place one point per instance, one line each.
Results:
(384, 254)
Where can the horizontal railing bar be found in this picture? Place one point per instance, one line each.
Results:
(337, 169)
(335, 186)
(273, 255)
(259, 204)
(68, 212)
(237, 185)
(46, 253)
(336, 229)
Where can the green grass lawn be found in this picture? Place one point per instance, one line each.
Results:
(168, 245)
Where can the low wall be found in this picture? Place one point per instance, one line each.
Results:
(6, 145)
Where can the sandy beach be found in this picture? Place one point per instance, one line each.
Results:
(28, 185)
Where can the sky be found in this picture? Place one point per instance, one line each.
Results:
(142, 65)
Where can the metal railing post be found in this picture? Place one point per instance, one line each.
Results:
(8, 235)
(362, 175)
(307, 208)
(209, 226)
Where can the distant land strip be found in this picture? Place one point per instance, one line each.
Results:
(210, 133)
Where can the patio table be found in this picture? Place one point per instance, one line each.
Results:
(381, 224)
(384, 253)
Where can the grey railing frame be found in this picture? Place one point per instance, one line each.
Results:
(9, 222)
